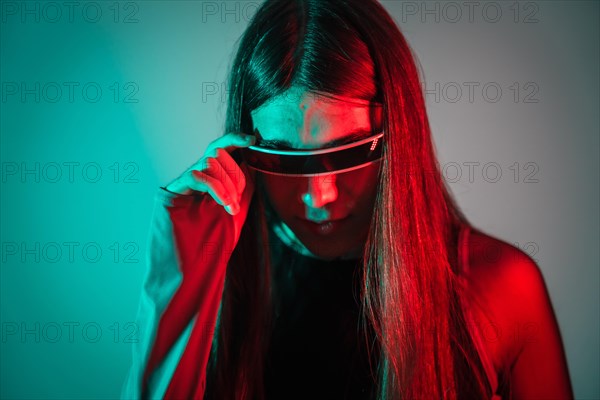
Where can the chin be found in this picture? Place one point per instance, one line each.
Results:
(341, 244)
(327, 256)
(330, 250)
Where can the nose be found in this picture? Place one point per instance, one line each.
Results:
(322, 189)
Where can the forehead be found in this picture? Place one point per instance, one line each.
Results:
(307, 120)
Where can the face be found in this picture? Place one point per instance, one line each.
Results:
(329, 214)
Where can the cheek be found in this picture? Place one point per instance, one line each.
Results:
(361, 184)
(281, 192)
(356, 189)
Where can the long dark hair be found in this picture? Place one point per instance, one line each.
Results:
(411, 292)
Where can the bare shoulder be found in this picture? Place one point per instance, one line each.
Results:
(501, 265)
(523, 337)
(511, 293)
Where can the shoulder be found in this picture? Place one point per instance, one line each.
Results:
(501, 265)
(511, 292)
(524, 339)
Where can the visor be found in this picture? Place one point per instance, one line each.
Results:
(315, 162)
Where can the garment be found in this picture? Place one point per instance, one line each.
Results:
(317, 332)
(190, 243)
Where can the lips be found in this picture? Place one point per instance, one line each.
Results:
(325, 227)
(323, 222)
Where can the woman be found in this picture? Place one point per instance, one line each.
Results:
(363, 282)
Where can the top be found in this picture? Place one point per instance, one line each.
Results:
(189, 246)
(307, 344)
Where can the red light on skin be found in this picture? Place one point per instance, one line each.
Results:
(318, 128)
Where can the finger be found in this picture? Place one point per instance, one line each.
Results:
(231, 141)
(178, 186)
(203, 182)
(232, 169)
(214, 167)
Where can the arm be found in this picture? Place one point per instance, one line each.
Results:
(190, 242)
(540, 369)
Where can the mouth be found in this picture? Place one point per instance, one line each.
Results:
(324, 228)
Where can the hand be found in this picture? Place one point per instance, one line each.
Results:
(216, 173)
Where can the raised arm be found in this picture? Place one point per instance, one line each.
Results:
(196, 226)
(190, 240)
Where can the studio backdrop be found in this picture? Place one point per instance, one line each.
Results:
(102, 102)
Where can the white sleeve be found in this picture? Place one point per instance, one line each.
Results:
(162, 279)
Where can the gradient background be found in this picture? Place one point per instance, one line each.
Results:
(160, 66)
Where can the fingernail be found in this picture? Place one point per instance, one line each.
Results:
(232, 209)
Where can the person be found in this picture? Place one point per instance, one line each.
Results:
(291, 261)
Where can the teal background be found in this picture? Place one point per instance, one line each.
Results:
(174, 56)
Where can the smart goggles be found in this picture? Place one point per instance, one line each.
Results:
(315, 162)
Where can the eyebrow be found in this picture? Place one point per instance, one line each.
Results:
(287, 145)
